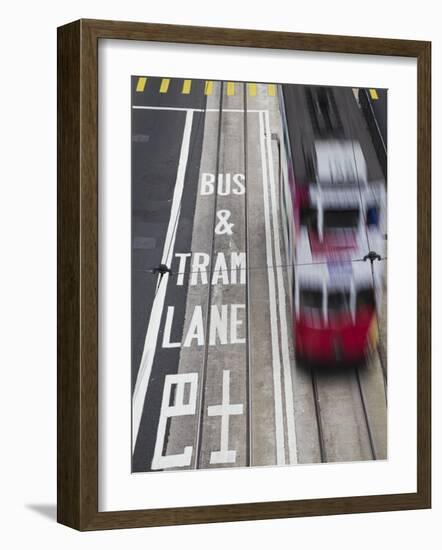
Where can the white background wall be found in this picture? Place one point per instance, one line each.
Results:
(28, 270)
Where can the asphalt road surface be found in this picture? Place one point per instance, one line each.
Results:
(214, 378)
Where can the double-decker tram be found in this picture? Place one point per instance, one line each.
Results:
(337, 209)
(335, 311)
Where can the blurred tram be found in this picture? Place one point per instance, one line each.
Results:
(337, 208)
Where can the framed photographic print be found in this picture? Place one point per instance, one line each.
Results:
(243, 274)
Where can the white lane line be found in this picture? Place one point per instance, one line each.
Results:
(150, 342)
(155, 108)
(238, 110)
(279, 419)
(288, 392)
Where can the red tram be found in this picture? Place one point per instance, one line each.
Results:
(337, 217)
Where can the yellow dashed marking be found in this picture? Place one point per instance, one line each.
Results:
(141, 84)
(208, 87)
(271, 89)
(164, 85)
(230, 88)
(373, 93)
(186, 87)
(252, 89)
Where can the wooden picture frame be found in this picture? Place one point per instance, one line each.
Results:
(77, 224)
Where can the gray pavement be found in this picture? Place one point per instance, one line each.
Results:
(157, 150)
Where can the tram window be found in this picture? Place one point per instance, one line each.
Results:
(372, 216)
(365, 298)
(311, 299)
(341, 219)
(338, 300)
(308, 216)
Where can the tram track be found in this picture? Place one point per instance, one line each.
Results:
(222, 110)
(327, 447)
(198, 439)
(346, 410)
(366, 415)
(321, 439)
(249, 448)
(325, 451)
(224, 377)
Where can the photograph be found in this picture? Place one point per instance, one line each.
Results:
(258, 274)
(218, 263)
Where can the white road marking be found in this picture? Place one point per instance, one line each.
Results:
(178, 408)
(157, 307)
(290, 411)
(168, 330)
(150, 342)
(156, 108)
(187, 109)
(225, 410)
(238, 110)
(182, 266)
(178, 192)
(279, 420)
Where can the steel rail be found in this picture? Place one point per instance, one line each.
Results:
(198, 438)
(321, 441)
(371, 438)
(249, 443)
